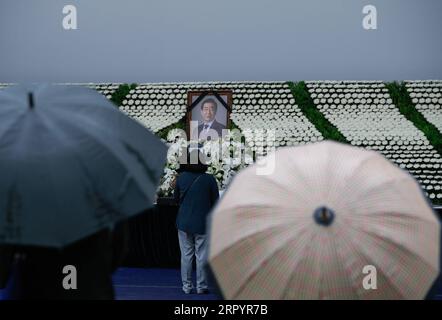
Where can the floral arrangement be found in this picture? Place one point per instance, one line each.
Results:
(225, 157)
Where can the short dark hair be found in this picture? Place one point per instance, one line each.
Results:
(212, 101)
(200, 166)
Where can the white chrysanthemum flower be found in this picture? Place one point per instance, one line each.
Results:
(175, 134)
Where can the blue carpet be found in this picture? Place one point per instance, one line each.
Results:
(153, 284)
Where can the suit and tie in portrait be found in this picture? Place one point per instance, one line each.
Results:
(209, 128)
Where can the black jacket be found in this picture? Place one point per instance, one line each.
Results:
(195, 200)
(39, 273)
(216, 126)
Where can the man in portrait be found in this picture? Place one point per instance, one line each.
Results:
(209, 125)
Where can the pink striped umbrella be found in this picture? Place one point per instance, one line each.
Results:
(331, 221)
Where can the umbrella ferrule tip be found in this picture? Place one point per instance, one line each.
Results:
(324, 216)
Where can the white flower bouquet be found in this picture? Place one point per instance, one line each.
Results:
(224, 158)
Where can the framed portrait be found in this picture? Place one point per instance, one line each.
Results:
(208, 113)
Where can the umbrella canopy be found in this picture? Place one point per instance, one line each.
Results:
(70, 164)
(331, 222)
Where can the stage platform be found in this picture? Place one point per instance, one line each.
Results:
(151, 284)
(156, 284)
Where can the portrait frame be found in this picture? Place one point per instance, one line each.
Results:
(195, 98)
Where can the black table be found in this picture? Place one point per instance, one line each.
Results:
(153, 239)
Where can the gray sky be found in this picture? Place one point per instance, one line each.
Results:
(208, 40)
